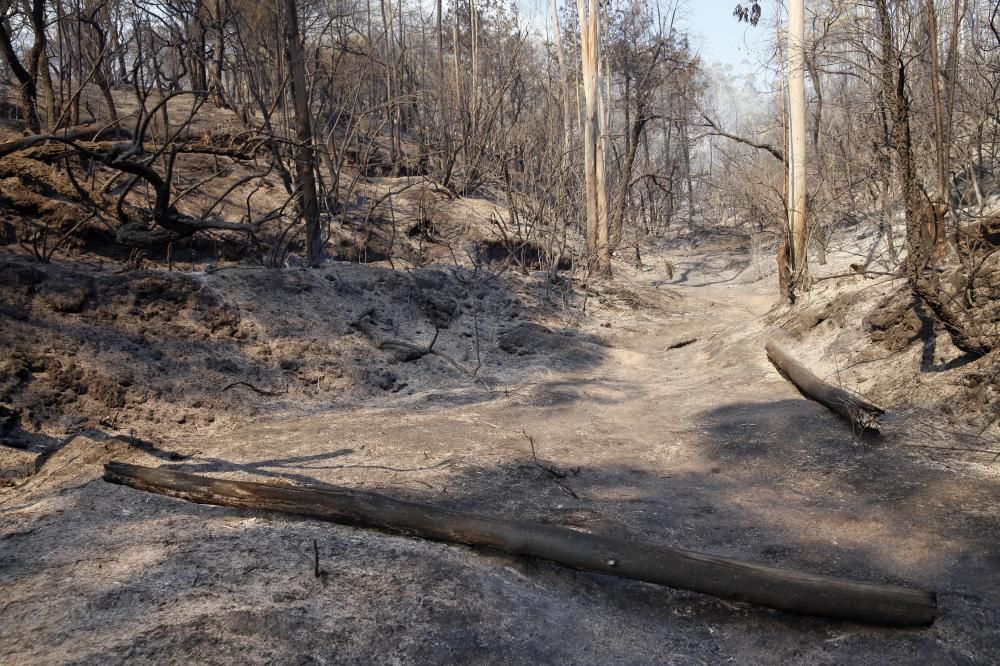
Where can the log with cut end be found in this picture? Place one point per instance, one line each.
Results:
(784, 590)
(860, 412)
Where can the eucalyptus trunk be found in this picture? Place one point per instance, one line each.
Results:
(797, 214)
(598, 249)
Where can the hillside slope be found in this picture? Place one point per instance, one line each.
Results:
(702, 446)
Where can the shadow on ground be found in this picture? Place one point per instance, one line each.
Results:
(156, 578)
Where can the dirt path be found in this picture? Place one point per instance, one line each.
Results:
(702, 447)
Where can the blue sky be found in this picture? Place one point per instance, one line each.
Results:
(713, 29)
(720, 38)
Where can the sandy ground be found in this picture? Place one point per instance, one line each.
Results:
(702, 447)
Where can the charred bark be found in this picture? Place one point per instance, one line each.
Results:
(304, 163)
(862, 414)
(723, 577)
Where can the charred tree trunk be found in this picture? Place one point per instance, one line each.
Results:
(196, 48)
(893, 74)
(935, 231)
(785, 590)
(861, 413)
(921, 218)
(27, 77)
(632, 144)
(305, 177)
(100, 76)
(218, 87)
(634, 129)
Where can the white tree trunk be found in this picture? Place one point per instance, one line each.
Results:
(593, 149)
(797, 144)
(567, 116)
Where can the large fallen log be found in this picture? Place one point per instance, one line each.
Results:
(785, 590)
(862, 414)
(79, 133)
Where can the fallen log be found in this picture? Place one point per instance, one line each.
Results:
(722, 577)
(80, 133)
(862, 414)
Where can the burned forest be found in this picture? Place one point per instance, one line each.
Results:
(470, 331)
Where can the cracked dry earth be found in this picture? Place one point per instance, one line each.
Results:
(702, 447)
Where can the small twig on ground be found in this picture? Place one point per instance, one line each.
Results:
(362, 325)
(555, 473)
(988, 424)
(951, 434)
(551, 471)
(681, 343)
(430, 347)
(317, 572)
(864, 418)
(566, 489)
(255, 389)
(865, 273)
(112, 422)
(994, 453)
(475, 328)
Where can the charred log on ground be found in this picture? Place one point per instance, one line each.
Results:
(732, 579)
